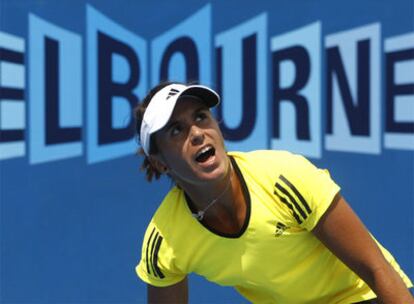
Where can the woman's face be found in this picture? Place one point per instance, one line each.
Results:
(191, 145)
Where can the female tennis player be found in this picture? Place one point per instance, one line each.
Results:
(268, 223)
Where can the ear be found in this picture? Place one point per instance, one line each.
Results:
(158, 164)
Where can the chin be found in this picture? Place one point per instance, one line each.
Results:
(215, 171)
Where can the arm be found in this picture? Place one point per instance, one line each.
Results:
(177, 293)
(342, 232)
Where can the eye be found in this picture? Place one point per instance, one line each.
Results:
(175, 130)
(201, 116)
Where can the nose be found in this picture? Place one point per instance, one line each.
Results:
(196, 135)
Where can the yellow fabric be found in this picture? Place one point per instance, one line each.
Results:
(276, 259)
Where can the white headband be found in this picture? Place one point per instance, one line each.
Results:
(162, 105)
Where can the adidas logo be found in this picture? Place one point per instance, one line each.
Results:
(280, 228)
(172, 92)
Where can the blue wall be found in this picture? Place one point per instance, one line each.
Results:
(333, 81)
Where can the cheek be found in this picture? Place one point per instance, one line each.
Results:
(218, 134)
(175, 158)
(179, 168)
(167, 147)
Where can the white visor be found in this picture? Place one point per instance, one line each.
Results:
(162, 105)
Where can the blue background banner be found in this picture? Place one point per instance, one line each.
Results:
(332, 81)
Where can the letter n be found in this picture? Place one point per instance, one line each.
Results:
(353, 90)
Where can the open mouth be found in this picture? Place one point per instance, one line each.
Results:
(204, 154)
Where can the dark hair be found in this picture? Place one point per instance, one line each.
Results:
(139, 110)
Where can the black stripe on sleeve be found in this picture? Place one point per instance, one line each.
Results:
(146, 253)
(292, 199)
(152, 254)
(301, 198)
(157, 248)
(283, 200)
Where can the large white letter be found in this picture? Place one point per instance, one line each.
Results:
(399, 100)
(117, 79)
(55, 103)
(241, 65)
(183, 53)
(353, 90)
(12, 97)
(296, 91)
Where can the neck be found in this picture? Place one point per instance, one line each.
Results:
(212, 194)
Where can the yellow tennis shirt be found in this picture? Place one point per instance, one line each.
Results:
(275, 258)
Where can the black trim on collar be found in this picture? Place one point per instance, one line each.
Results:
(246, 195)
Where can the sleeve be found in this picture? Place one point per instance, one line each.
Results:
(156, 266)
(305, 190)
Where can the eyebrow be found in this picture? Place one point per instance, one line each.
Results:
(170, 125)
(174, 122)
(201, 108)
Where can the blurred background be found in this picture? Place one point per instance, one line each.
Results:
(331, 80)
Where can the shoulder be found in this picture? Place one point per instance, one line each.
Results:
(158, 265)
(260, 153)
(263, 155)
(262, 167)
(162, 220)
(268, 160)
(167, 211)
(173, 218)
